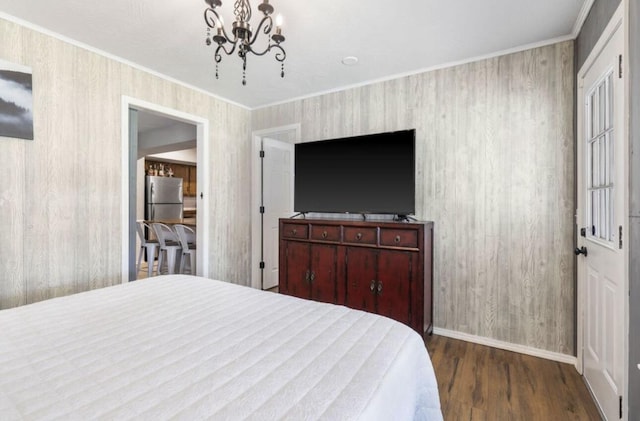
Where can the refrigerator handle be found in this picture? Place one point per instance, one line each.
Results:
(153, 213)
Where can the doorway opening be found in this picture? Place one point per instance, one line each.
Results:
(162, 146)
(167, 148)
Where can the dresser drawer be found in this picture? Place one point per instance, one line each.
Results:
(295, 230)
(398, 237)
(325, 232)
(361, 235)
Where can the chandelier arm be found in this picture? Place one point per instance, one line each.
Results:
(211, 23)
(222, 47)
(260, 53)
(280, 56)
(267, 28)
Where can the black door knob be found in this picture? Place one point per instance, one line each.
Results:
(581, 250)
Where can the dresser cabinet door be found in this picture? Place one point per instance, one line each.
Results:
(360, 278)
(297, 269)
(310, 271)
(394, 282)
(324, 261)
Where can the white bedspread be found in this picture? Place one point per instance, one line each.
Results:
(190, 348)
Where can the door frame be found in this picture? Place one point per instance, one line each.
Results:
(256, 192)
(619, 20)
(202, 145)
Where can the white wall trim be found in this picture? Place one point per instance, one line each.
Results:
(280, 129)
(110, 56)
(202, 141)
(256, 143)
(494, 343)
(582, 17)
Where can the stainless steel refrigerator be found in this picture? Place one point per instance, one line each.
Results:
(163, 197)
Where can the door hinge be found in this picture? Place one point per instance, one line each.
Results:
(620, 407)
(261, 209)
(261, 265)
(620, 237)
(261, 154)
(620, 66)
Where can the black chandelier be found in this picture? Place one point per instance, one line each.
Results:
(243, 36)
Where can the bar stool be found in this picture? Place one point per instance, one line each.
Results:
(146, 245)
(187, 237)
(169, 246)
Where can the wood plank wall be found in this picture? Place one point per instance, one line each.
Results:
(495, 171)
(60, 199)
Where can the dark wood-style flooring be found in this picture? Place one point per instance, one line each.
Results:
(481, 383)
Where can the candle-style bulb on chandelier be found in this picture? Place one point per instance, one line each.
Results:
(243, 37)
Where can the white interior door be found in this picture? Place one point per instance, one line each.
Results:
(601, 219)
(277, 199)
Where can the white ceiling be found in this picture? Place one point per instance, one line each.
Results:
(390, 38)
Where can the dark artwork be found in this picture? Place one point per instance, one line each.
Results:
(16, 105)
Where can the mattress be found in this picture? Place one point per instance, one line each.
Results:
(185, 347)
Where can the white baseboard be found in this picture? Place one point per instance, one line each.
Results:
(494, 343)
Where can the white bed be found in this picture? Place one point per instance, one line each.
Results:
(183, 347)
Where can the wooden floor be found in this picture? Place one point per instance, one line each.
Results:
(482, 383)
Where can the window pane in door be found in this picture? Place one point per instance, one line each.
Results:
(592, 116)
(607, 214)
(605, 163)
(595, 203)
(602, 108)
(600, 160)
(601, 164)
(595, 159)
(602, 221)
(609, 103)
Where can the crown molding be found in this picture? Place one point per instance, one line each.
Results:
(582, 17)
(500, 53)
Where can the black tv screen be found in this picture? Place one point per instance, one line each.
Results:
(364, 174)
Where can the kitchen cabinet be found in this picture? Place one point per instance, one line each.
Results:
(188, 173)
(181, 171)
(192, 180)
(379, 267)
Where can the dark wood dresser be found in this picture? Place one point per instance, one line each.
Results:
(379, 267)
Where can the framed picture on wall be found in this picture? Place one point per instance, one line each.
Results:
(16, 101)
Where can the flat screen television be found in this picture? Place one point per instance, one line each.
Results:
(371, 174)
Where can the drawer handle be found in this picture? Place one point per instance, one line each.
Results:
(294, 231)
(397, 239)
(359, 236)
(324, 234)
(379, 287)
(372, 287)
